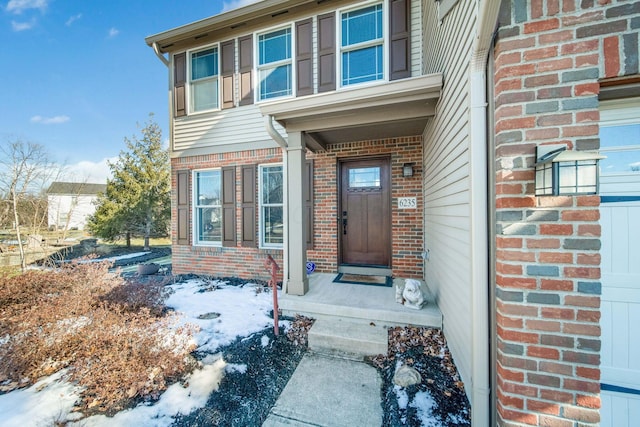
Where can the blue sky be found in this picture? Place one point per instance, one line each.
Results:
(79, 78)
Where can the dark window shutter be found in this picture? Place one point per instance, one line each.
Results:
(245, 50)
(248, 205)
(304, 61)
(182, 203)
(308, 201)
(227, 68)
(326, 52)
(229, 206)
(399, 47)
(179, 84)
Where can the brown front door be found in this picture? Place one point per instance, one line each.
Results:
(365, 212)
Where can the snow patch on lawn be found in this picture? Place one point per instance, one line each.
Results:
(47, 401)
(243, 311)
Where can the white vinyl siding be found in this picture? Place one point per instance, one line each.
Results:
(447, 213)
(70, 211)
(224, 130)
(416, 37)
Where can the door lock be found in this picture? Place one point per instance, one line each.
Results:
(344, 222)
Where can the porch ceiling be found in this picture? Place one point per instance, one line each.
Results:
(393, 109)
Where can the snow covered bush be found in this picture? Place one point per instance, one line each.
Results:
(113, 337)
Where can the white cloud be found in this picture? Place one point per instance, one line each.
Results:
(19, 6)
(22, 26)
(50, 120)
(113, 32)
(234, 4)
(88, 171)
(72, 19)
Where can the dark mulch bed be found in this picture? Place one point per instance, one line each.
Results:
(106, 251)
(245, 398)
(425, 350)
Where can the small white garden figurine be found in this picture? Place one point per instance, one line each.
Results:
(410, 294)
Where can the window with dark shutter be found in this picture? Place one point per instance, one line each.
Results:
(399, 46)
(229, 206)
(182, 202)
(245, 50)
(227, 66)
(179, 84)
(308, 201)
(326, 52)
(304, 61)
(248, 201)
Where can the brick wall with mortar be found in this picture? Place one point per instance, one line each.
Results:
(249, 262)
(549, 58)
(406, 224)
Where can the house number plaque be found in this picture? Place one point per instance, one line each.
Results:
(407, 203)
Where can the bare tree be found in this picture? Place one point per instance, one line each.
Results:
(25, 170)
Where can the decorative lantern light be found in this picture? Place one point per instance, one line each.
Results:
(407, 170)
(566, 172)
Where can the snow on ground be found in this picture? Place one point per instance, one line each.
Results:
(238, 311)
(116, 258)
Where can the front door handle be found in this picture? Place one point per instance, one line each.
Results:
(344, 222)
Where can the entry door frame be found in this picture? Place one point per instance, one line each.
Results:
(386, 233)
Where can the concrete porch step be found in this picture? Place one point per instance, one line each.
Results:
(344, 338)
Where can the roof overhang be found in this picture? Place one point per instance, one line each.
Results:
(242, 17)
(393, 109)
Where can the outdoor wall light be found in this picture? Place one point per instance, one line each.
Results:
(566, 172)
(407, 170)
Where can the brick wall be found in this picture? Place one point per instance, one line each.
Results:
(549, 58)
(406, 224)
(249, 262)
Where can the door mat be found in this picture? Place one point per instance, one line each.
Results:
(361, 279)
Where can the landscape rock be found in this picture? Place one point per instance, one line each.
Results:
(406, 376)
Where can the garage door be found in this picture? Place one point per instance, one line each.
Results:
(620, 221)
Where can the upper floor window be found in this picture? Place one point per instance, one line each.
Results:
(274, 64)
(362, 45)
(271, 206)
(208, 206)
(204, 80)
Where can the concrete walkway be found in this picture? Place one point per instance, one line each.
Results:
(329, 392)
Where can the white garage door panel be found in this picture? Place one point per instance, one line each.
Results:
(619, 409)
(620, 306)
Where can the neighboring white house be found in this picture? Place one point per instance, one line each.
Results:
(70, 203)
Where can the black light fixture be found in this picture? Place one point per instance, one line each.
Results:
(407, 170)
(566, 172)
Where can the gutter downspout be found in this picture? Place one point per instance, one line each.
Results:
(279, 139)
(481, 367)
(162, 58)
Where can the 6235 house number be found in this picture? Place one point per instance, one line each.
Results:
(407, 203)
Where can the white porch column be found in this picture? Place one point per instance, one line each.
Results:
(297, 282)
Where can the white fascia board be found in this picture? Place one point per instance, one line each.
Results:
(412, 89)
(222, 20)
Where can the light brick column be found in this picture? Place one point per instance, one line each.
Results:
(548, 62)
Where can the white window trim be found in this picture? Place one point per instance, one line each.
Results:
(619, 112)
(194, 211)
(257, 67)
(385, 43)
(189, 82)
(262, 244)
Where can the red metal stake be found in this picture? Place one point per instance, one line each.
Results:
(271, 266)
